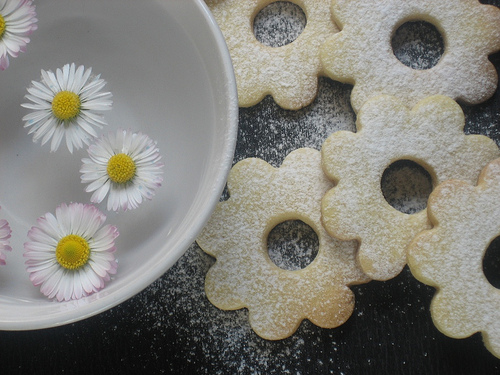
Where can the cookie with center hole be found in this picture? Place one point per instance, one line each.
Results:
(288, 73)
(244, 276)
(361, 53)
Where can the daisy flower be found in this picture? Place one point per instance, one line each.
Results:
(66, 103)
(124, 164)
(17, 21)
(71, 255)
(4, 240)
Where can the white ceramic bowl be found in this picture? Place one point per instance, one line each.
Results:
(167, 66)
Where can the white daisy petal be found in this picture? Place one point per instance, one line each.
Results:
(113, 201)
(87, 128)
(41, 265)
(98, 269)
(8, 7)
(35, 107)
(37, 100)
(38, 236)
(65, 277)
(86, 284)
(36, 116)
(77, 77)
(57, 138)
(47, 126)
(65, 290)
(38, 278)
(93, 118)
(69, 143)
(97, 105)
(40, 248)
(48, 134)
(50, 225)
(93, 87)
(83, 81)
(91, 174)
(41, 88)
(77, 292)
(49, 286)
(100, 181)
(104, 238)
(100, 193)
(71, 77)
(51, 80)
(75, 120)
(61, 77)
(46, 97)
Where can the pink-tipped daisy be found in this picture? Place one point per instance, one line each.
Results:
(67, 103)
(4, 240)
(124, 165)
(17, 22)
(71, 255)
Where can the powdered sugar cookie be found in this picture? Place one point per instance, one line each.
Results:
(362, 54)
(431, 134)
(449, 257)
(245, 276)
(288, 73)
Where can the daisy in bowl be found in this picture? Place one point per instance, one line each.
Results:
(125, 166)
(17, 22)
(67, 103)
(71, 255)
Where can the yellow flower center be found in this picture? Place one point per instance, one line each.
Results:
(121, 168)
(72, 252)
(2, 26)
(66, 105)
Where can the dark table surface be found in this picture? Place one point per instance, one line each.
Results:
(171, 327)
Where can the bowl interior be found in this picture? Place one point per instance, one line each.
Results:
(166, 64)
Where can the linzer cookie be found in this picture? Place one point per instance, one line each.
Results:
(431, 135)
(244, 275)
(449, 257)
(362, 54)
(289, 73)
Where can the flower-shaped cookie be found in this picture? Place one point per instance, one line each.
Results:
(362, 53)
(449, 256)
(431, 134)
(288, 73)
(245, 276)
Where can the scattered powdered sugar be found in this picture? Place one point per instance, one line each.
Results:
(279, 24)
(270, 133)
(406, 186)
(292, 245)
(418, 45)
